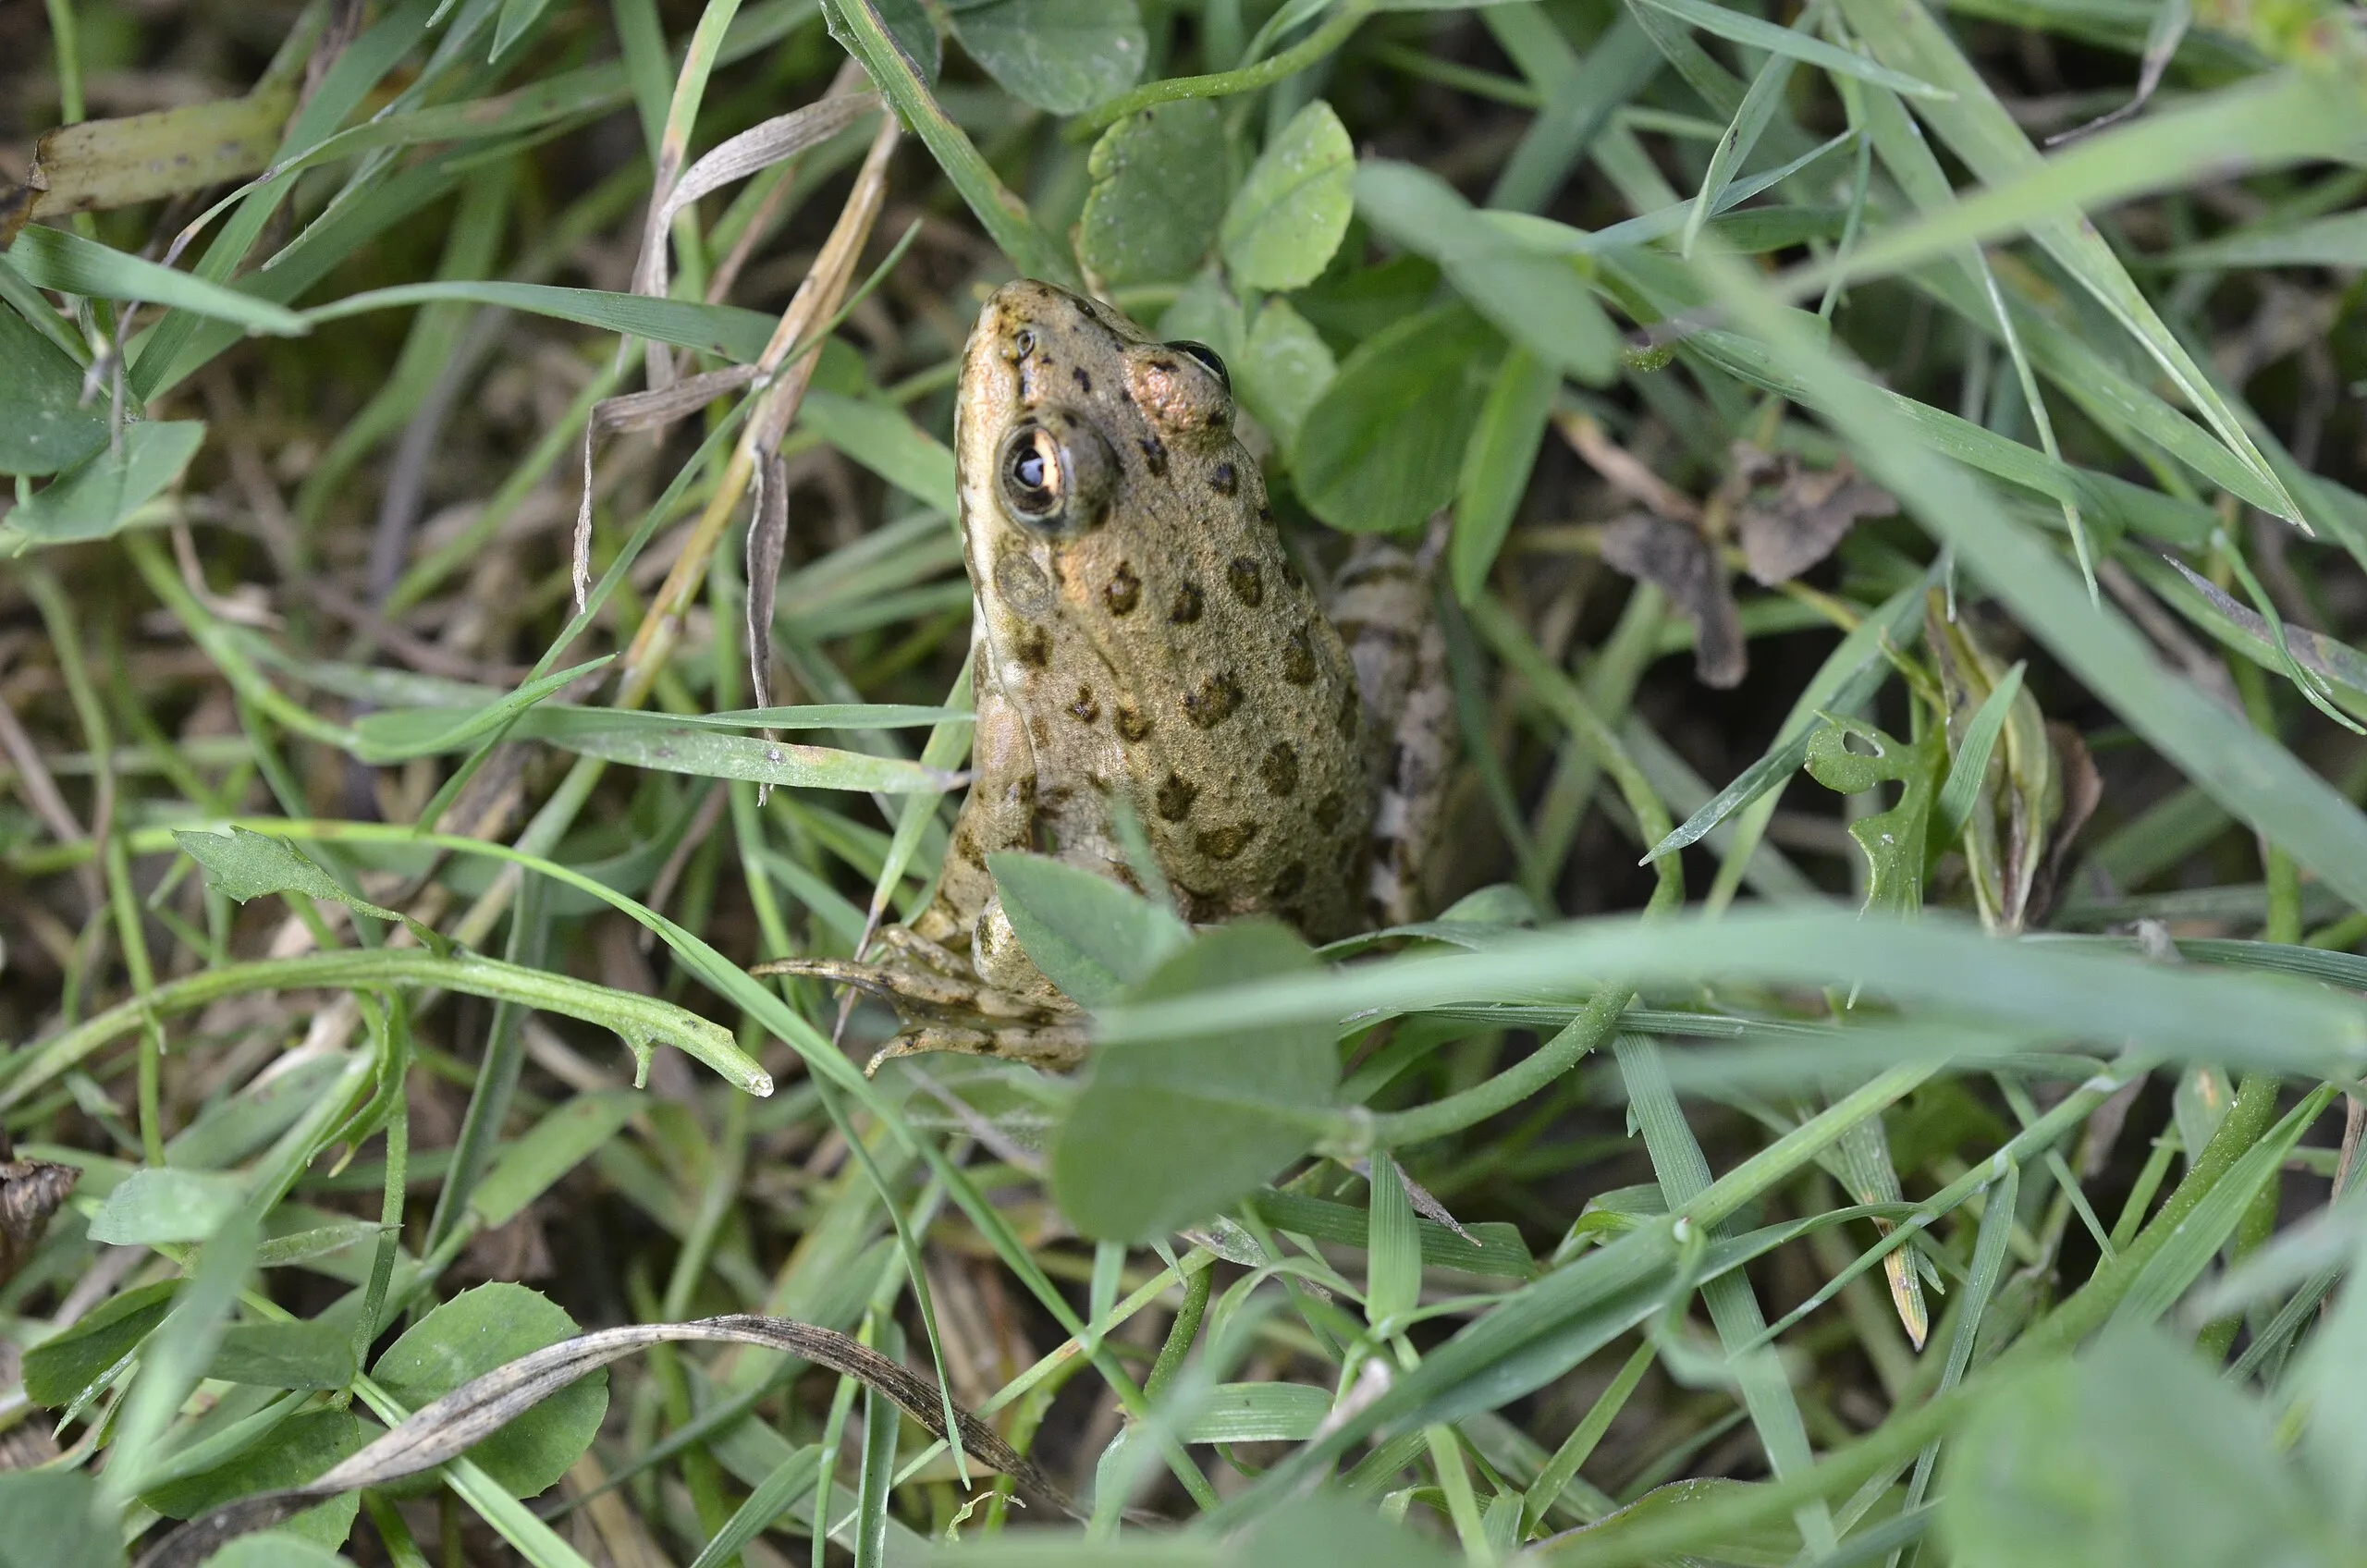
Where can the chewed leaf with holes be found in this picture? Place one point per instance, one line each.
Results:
(1851, 757)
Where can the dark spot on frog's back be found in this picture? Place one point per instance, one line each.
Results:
(1223, 480)
(1124, 591)
(1298, 659)
(1034, 647)
(1248, 582)
(1188, 602)
(1213, 701)
(1132, 725)
(1351, 710)
(1330, 810)
(1290, 881)
(1226, 842)
(1085, 710)
(1175, 797)
(1279, 769)
(1154, 456)
(1084, 381)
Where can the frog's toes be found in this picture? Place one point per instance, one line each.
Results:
(922, 996)
(1050, 1048)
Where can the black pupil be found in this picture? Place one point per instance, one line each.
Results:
(1028, 467)
(1207, 356)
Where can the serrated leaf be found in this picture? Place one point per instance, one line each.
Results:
(1065, 55)
(1168, 1131)
(1287, 219)
(471, 1334)
(1158, 193)
(98, 496)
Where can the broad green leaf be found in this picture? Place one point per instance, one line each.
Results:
(1159, 193)
(99, 495)
(45, 426)
(469, 1336)
(727, 331)
(2135, 1455)
(307, 1352)
(532, 1164)
(291, 1454)
(914, 31)
(1496, 466)
(1169, 1132)
(1256, 1413)
(1090, 936)
(1288, 217)
(56, 1520)
(1206, 313)
(886, 442)
(1064, 56)
(150, 1206)
(55, 258)
(1381, 448)
(1281, 369)
(1538, 301)
(58, 1369)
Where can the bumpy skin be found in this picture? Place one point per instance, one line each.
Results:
(1163, 650)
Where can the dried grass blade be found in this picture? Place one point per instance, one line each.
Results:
(450, 1427)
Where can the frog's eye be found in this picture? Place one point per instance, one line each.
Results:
(1207, 357)
(1056, 476)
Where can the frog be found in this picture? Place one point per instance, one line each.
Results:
(1143, 645)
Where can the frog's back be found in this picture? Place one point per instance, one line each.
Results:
(1141, 632)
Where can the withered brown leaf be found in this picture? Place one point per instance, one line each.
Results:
(1678, 560)
(31, 1191)
(1788, 518)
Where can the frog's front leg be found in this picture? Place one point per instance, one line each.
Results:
(1383, 608)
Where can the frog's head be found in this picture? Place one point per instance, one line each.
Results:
(1072, 423)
